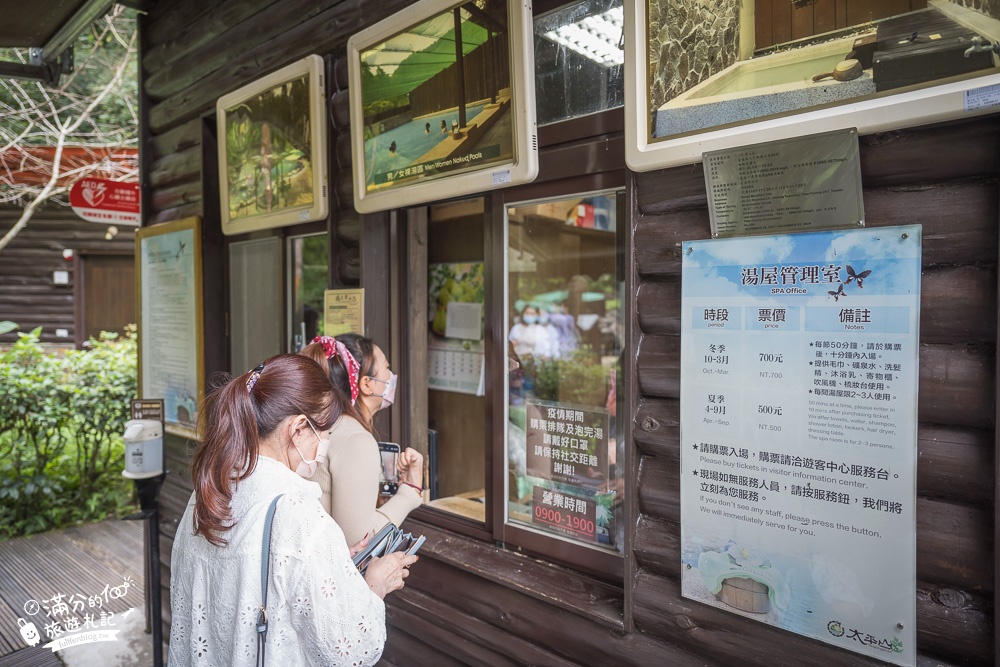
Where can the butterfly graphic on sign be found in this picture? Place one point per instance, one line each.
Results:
(93, 192)
(858, 276)
(839, 293)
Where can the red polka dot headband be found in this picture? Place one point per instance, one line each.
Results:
(333, 347)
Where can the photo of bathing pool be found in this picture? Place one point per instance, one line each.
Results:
(268, 152)
(431, 108)
(717, 63)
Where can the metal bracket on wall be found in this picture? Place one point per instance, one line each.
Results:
(49, 62)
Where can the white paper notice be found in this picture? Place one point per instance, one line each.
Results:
(799, 374)
(169, 318)
(464, 320)
(455, 370)
(980, 98)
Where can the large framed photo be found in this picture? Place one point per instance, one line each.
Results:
(442, 102)
(169, 287)
(703, 76)
(272, 150)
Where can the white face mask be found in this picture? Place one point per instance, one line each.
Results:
(307, 468)
(389, 395)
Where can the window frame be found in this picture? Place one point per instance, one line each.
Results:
(595, 561)
(283, 235)
(289, 289)
(550, 547)
(577, 155)
(231, 325)
(604, 121)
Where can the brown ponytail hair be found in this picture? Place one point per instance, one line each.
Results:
(240, 413)
(363, 351)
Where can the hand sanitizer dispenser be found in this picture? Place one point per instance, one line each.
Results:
(143, 448)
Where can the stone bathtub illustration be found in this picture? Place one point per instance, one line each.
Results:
(776, 83)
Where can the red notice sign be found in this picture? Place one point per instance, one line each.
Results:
(101, 200)
(566, 513)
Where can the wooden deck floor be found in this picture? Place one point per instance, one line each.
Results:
(87, 565)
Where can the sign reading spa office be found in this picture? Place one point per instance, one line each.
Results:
(102, 200)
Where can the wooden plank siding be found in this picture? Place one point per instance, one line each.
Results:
(473, 603)
(193, 51)
(909, 177)
(779, 21)
(28, 295)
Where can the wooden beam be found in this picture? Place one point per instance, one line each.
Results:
(413, 316)
(996, 480)
(558, 586)
(658, 236)
(471, 638)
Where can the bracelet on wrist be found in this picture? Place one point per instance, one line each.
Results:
(418, 489)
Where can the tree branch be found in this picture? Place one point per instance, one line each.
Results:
(42, 117)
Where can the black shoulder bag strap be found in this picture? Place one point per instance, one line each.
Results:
(265, 561)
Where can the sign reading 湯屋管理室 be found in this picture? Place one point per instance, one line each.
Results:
(799, 375)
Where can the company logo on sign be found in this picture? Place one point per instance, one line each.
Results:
(887, 644)
(101, 200)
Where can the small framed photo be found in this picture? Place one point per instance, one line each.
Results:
(272, 150)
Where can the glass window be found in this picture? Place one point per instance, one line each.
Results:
(579, 60)
(254, 302)
(456, 396)
(308, 257)
(564, 315)
(740, 62)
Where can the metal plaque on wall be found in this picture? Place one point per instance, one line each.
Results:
(802, 184)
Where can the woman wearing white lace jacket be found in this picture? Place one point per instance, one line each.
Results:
(263, 436)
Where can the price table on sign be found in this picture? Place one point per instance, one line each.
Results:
(799, 369)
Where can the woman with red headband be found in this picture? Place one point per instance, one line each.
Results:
(350, 476)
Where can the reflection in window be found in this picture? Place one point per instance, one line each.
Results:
(745, 60)
(579, 60)
(564, 346)
(307, 266)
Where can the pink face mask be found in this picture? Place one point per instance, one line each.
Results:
(307, 468)
(389, 395)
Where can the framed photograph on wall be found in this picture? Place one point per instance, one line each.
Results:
(752, 71)
(272, 150)
(432, 120)
(169, 288)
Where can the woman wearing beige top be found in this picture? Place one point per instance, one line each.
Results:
(349, 478)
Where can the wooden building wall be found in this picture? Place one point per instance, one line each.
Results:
(779, 21)
(470, 602)
(28, 295)
(192, 52)
(944, 178)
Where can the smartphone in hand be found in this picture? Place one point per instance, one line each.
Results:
(389, 479)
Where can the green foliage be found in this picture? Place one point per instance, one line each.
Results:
(267, 146)
(313, 280)
(578, 378)
(461, 283)
(61, 420)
